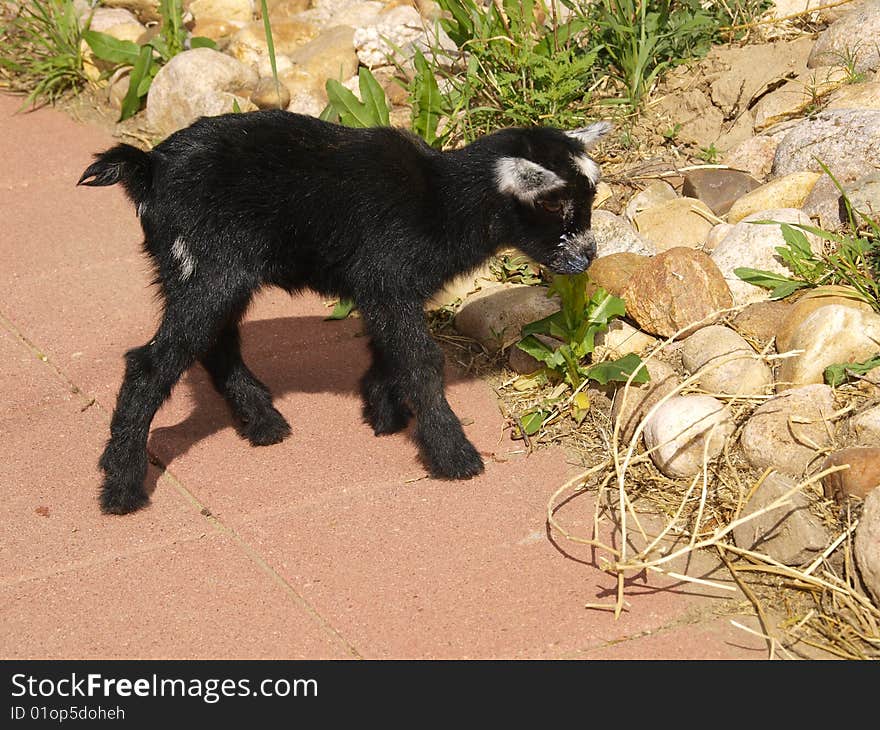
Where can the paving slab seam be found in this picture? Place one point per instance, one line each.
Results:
(217, 524)
(262, 564)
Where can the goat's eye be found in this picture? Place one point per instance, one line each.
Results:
(551, 206)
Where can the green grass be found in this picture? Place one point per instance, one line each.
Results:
(40, 50)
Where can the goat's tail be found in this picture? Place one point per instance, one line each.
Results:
(122, 163)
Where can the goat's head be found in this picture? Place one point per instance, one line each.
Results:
(549, 179)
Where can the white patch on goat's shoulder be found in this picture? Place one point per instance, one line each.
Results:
(184, 258)
(587, 167)
(588, 136)
(525, 179)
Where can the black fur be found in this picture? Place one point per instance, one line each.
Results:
(241, 201)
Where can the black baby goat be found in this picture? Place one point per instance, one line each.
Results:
(237, 202)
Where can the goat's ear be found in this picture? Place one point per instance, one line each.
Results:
(525, 179)
(589, 136)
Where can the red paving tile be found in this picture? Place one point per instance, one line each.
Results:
(201, 598)
(437, 570)
(389, 564)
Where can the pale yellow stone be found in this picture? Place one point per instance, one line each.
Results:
(789, 191)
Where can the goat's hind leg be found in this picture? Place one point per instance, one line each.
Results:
(384, 407)
(250, 400)
(187, 331)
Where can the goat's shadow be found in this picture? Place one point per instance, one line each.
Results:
(289, 355)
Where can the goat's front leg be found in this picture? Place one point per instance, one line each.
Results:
(411, 370)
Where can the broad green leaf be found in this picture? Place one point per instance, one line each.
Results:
(531, 422)
(131, 104)
(111, 49)
(428, 101)
(839, 373)
(200, 41)
(341, 310)
(374, 98)
(537, 349)
(328, 114)
(787, 289)
(797, 239)
(619, 370)
(352, 113)
(769, 279)
(604, 307)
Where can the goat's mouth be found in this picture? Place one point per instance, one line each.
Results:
(574, 254)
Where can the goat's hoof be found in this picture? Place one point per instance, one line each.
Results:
(387, 421)
(116, 500)
(269, 428)
(463, 463)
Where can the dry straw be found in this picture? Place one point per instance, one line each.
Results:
(701, 513)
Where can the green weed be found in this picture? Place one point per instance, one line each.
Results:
(40, 50)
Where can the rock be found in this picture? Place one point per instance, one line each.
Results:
(753, 246)
(717, 188)
(400, 28)
(614, 235)
(726, 362)
(866, 427)
(195, 83)
(269, 96)
(825, 205)
(105, 19)
(305, 102)
(356, 14)
(684, 430)
(238, 12)
(785, 432)
(856, 96)
(280, 10)
(853, 36)
(861, 477)
(218, 31)
(657, 192)
(604, 193)
(679, 222)
(761, 321)
(144, 10)
(632, 404)
(754, 70)
(249, 44)
(716, 236)
(809, 302)
(867, 544)
(830, 335)
(864, 195)
(613, 272)
(496, 315)
(798, 96)
(788, 191)
(328, 56)
(620, 339)
(785, 8)
(846, 140)
(754, 156)
(791, 533)
(679, 289)
(462, 286)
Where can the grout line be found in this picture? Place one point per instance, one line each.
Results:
(261, 562)
(251, 553)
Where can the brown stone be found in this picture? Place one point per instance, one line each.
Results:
(633, 403)
(676, 289)
(269, 96)
(679, 222)
(861, 477)
(762, 320)
(808, 303)
(718, 188)
(614, 271)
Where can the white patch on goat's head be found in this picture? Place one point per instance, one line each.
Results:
(525, 179)
(141, 207)
(184, 258)
(590, 135)
(587, 167)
